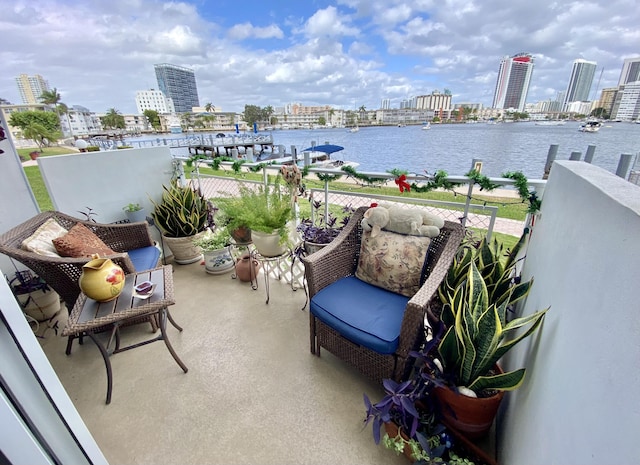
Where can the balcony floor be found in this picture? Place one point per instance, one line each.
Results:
(253, 393)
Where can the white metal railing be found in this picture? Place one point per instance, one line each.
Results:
(472, 215)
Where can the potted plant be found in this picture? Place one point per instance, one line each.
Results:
(229, 215)
(266, 210)
(34, 295)
(135, 213)
(214, 246)
(408, 417)
(182, 215)
(470, 383)
(318, 231)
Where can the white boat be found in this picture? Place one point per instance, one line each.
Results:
(550, 123)
(426, 126)
(590, 126)
(354, 129)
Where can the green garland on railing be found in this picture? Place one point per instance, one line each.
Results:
(522, 185)
(438, 181)
(370, 180)
(324, 177)
(481, 180)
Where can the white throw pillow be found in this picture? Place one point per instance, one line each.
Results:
(41, 241)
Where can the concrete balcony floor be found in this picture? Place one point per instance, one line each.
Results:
(254, 394)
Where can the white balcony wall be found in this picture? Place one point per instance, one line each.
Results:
(18, 203)
(579, 401)
(106, 181)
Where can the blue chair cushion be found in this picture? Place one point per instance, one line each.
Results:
(365, 314)
(144, 258)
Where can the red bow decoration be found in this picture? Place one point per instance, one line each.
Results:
(403, 184)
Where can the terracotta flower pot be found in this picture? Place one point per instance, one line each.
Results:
(471, 416)
(247, 268)
(392, 430)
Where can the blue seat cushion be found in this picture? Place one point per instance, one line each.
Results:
(145, 258)
(365, 314)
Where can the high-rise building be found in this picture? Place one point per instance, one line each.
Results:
(386, 104)
(512, 86)
(153, 100)
(630, 71)
(178, 84)
(580, 81)
(31, 88)
(434, 101)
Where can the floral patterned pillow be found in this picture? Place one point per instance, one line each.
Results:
(393, 261)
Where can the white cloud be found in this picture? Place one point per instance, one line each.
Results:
(247, 30)
(328, 22)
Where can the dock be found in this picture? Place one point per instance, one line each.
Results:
(218, 145)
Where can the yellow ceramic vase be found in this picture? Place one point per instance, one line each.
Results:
(101, 279)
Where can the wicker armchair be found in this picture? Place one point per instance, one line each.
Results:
(62, 273)
(339, 260)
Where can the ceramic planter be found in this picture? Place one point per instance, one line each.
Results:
(268, 245)
(470, 416)
(247, 268)
(311, 247)
(136, 216)
(40, 305)
(218, 261)
(241, 235)
(183, 250)
(392, 430)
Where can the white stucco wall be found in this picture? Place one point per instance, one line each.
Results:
(17, 203)
(579, 403)
(106, 181)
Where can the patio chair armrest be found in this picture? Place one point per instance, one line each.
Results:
(123, 237)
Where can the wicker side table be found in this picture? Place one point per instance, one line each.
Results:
(89, 316)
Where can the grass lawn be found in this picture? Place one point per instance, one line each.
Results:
(46, 152)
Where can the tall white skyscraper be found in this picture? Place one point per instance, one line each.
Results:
(580, 82)
(512, 86)
(153, 100)
(31, 88)
(630, 71)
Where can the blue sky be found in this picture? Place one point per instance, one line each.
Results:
(343, 53)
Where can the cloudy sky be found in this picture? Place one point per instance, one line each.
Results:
(344, 53)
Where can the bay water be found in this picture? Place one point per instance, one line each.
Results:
(452, 147)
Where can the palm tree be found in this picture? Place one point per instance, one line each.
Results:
(208, 107)
(113, 119)
(52, 97)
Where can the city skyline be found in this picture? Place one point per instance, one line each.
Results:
(318, 53)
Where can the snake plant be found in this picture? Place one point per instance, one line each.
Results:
(182, 212)
(498, 273)
(478, 334)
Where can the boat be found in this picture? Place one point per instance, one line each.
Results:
(319, 156)
(550, 123)
(354, 129)
(590, 126)
(426, 126)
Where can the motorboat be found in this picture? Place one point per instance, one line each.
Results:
(590, 126)
(426, 126)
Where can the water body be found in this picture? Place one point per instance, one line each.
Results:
(451, 147)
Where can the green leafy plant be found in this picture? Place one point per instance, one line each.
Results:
(182, 212)
(496, 266)
(478, 335)
(213, 240)
(262, 208)
(132, 207)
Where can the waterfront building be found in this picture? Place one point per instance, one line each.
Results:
(630, 71)
(626, 106)
(403, 116)
(607, 97)
(436, 101)
(79, 121)
(512, 85)
(179, 84)
(154, 100)
(578, 108)
(580, 82)
(386, 104)
(31, 88)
